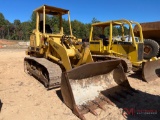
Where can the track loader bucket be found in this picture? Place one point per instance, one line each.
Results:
(90, 86)
(151, 70)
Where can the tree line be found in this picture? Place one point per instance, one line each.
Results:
(21, 30)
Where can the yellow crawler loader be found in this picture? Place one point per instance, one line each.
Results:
(127, 47)
(56, 62)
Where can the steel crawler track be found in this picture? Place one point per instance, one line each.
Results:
(47, 72)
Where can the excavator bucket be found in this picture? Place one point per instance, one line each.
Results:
(151, 70)
(92, 85)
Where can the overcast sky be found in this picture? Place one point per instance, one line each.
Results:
(85, 11)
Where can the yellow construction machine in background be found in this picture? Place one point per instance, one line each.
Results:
(56, 62)
(127, 47)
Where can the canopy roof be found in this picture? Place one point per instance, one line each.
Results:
(114, 22)
(51, 10)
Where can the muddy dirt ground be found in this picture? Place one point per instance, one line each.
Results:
(25, 98)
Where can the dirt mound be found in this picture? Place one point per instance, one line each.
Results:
(12, 44)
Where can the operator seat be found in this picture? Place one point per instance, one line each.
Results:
(105, 40)
(47, 27)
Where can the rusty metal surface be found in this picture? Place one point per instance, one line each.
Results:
(127, 65)
(151, 30)
(92, 85)
(150, 26)
(47, 72)
(151, 70)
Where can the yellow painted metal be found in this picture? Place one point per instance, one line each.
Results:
(86, 57)
(57, 47)
(90, 37)
(70, 24)
(32, 40)
(37, 20)
(61, 49)
(140, 31)
(37, 34)
(44, 20)
(132, 50)
(129, 51)
(61, 28)
(49, 9)
(110, 37)
(54, 58)
(96, 47)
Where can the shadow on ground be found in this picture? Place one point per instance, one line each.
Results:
(137, 75)
(136, 105)
(58, 92)
(142, 106)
